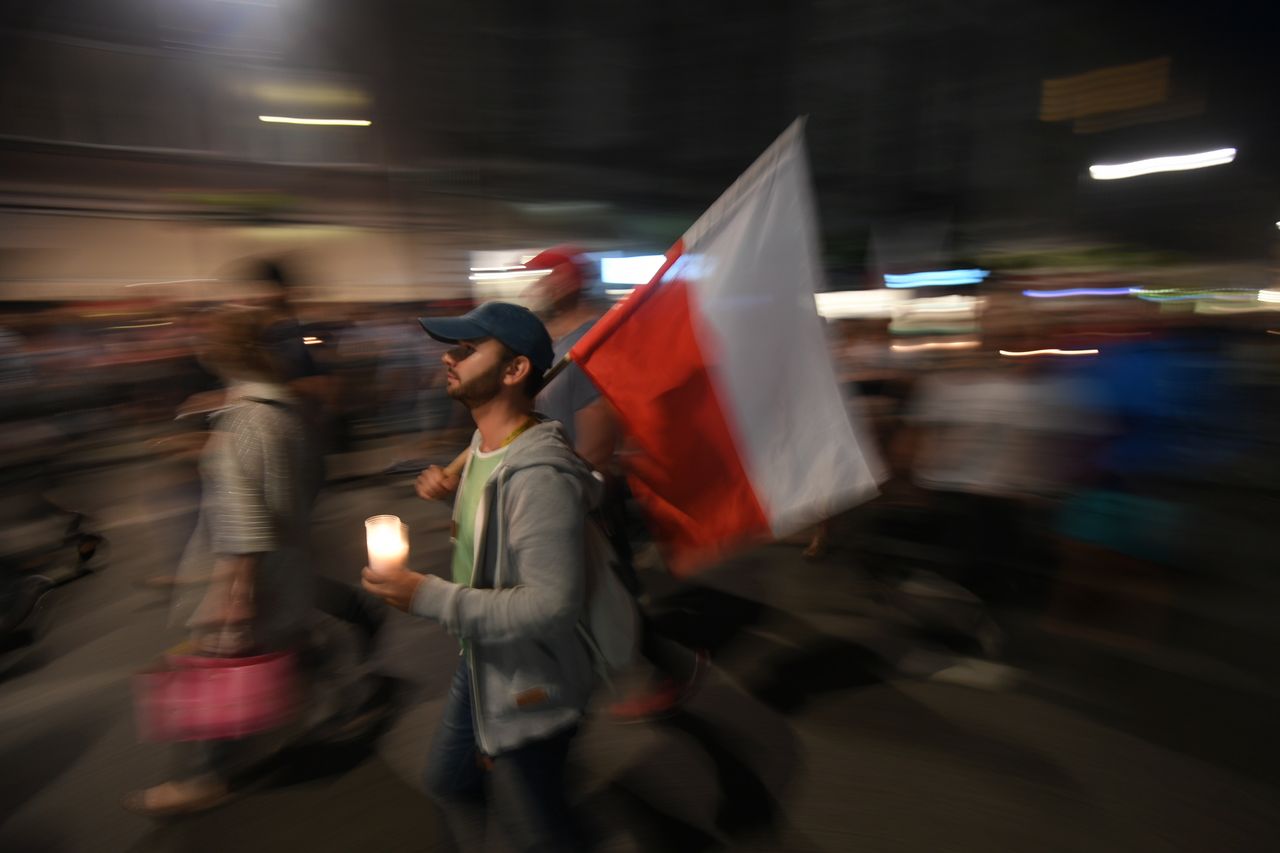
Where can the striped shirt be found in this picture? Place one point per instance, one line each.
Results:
(259, 490)
(260, 475)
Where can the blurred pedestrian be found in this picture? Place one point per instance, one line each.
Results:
(561, 300)
(245, 583)
(984, 441)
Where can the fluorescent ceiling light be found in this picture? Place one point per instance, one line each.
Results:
(328, 122)
(1030, 352)
(1179, 163)
(937, 278)
(935, 345)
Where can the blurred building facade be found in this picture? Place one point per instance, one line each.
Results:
(508, 123)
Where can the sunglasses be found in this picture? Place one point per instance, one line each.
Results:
(463, 350)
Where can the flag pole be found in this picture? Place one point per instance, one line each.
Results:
(557, 368)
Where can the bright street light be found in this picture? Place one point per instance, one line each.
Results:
(331, 122)
(1179, 163)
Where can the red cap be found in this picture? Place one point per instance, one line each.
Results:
(556, 257)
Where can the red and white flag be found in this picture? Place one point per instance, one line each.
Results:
(720, 371)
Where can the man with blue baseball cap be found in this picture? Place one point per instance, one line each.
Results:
(515, 327)
(515, 589)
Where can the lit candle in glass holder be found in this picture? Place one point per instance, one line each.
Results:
(388, 540)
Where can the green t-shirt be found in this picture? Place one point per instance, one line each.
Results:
(469, 493)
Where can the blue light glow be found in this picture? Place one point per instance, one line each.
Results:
(1080, 291)
(938, 278)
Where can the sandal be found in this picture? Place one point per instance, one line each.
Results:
(173, 799)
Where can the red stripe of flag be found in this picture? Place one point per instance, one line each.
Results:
(648, 359)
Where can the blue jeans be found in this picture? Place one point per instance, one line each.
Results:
(525, 786)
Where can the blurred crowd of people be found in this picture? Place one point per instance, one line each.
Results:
(1052, 479)
(1069, 468)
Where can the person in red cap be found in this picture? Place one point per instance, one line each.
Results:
(560, 300)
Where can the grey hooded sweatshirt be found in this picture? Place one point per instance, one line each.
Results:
(531, 673)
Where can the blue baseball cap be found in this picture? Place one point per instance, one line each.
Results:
(516, 327)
